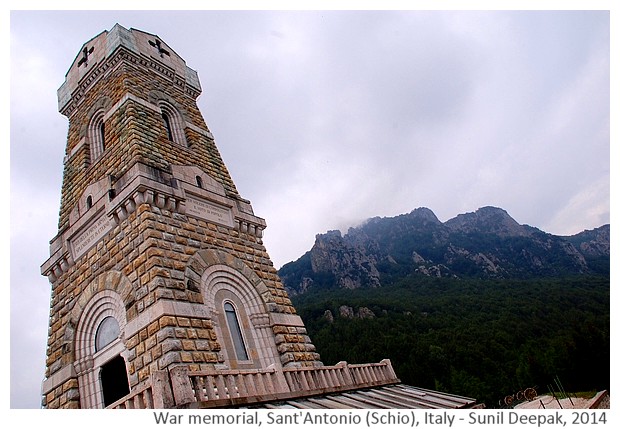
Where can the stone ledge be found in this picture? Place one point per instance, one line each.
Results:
(57, 379)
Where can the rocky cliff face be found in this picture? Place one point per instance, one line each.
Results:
(487, 243)
(592, 243)
(349, 260)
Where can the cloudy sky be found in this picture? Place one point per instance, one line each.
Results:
(326, 118)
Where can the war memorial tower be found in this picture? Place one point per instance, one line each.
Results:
(158, 260)
(162, 292)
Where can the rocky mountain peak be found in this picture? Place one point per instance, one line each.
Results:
(425, 214)
(487, 243)
(488, 220)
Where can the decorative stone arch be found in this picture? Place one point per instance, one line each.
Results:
(94, 129)
(108, 296)
(223, 278)
(112, 280)
(172, 117)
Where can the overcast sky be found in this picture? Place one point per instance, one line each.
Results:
(327, 118)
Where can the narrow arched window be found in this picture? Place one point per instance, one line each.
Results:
(168, 126)
(96, 136)
(173, 123)
(102, 135)
(89, 202)
(199, 181)
(235, 331)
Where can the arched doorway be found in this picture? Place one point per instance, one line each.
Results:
(100, 365)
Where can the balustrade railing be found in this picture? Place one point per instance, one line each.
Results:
(205, 389)
(208, 386)
(137, 400)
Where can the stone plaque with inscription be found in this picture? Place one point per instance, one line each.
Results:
(90, 235)
(209, 211)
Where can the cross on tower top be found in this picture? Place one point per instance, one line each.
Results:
(85, 53)
(160, 49)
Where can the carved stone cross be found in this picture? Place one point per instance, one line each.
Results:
(85, 53)
(157, 44)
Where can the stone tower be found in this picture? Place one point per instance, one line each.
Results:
(158, 262)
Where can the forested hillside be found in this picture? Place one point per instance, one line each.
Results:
(481, 338)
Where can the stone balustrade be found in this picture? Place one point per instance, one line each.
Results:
(139, 400)
(181, 388)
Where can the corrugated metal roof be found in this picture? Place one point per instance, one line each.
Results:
(393, 396)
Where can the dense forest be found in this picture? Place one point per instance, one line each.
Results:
(478, 338)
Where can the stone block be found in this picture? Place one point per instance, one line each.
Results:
(167, 321)
(204, 334)
(153, 328)
(168, 359)
(157, 352)
(165, 294)
(280, 330)
(73, 394)
(150, 342)
(143, 374)
(184, 321)
(188, 345)
(211, 357)
(284, 348)
(170, 345)
(164, 333)
(202, 345)
(70, 384)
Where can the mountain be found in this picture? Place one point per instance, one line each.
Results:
(486, 244)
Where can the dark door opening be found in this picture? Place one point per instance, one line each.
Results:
(114, 382)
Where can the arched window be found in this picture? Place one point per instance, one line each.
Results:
(102, 134)
(243, 327)
(235, 331)
(107, 332)
(96, 136)
(89, 202)
(173, 123)
(167, 125)
(199, 181)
